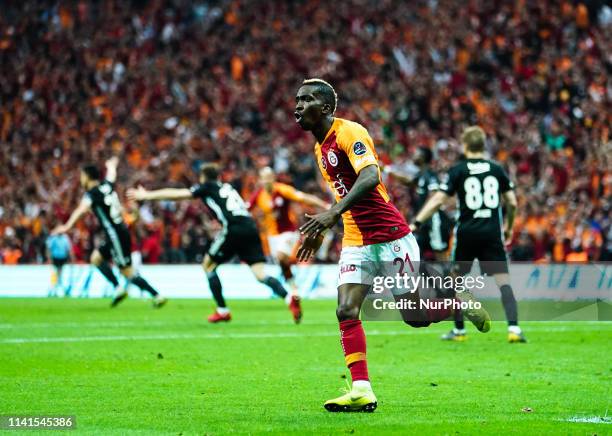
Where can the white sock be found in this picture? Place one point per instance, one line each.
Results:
(288, 298)
(458, 331)
(514, 329)
(223, 310)
(362, 384)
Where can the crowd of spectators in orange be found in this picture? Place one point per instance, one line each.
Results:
(168, 84)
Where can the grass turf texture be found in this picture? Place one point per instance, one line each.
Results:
(134, 369)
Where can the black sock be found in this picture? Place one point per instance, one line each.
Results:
(144, 285)
(286, 269)
(509, 303)
(275, 285)
(107, 272)
(215, 288)
(459, 323)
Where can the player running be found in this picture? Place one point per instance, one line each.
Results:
(274, 200)
(102, 199)
(238, 236)
(375, 232)
(480, 184)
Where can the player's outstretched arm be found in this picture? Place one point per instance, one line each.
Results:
(311, 200)
(141, 194)
(433, 204)
(76, 215)
(367, 180)
(402, 178)
(111, 169)
(511, 206)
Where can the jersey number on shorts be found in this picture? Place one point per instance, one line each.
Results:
(474, 195)
(402, 263)
(233, 201)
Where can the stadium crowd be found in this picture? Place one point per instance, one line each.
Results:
(168, 84)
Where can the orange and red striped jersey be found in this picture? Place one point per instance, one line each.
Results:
(346, 150)
(275, 206)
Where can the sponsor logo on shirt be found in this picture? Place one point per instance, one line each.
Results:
(478, 167)
(359, 148)
(340, 187)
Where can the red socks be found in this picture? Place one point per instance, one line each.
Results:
(352, 338)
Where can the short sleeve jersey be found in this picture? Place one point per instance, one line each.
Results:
(479, 185)
(276, 207)
(104, 203)
(346, 150)
(224, 202)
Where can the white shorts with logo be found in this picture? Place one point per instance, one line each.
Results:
(283, 243)
(362, 264)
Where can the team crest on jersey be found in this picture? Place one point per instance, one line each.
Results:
(323, 163)
(396, 248)
(359, 148)
(332, 158)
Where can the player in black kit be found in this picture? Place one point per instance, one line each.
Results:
(101, 199)
(238, 235)
(434, 234)
(480, 185)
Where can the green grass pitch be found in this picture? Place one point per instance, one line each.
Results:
(142, 371)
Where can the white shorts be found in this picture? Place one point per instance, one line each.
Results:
(283, 243)
(362, 264)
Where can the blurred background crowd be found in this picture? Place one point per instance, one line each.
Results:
(166, 84)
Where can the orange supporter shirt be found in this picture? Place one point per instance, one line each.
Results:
(346, 150)
(275, 206)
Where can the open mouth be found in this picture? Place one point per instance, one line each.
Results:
(298, 116)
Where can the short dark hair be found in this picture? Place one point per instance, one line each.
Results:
(474, 138)
(92, 171)
(427, 154)
(210, 170)
(325, 91)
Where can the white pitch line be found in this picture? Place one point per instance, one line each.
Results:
(190, 336)
(405, 332)
(590, 419)
(133, 323)
(531, 325)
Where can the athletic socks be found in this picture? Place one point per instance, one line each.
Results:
(286, 270)
(514, 329)
(352, 338)
(144, 285)
(459, 323)
(223, 310)
(215, 288)
(107, 272)
(275, 285)
(509, 303)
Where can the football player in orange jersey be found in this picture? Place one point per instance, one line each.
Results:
(274, 200)
(375, 232)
